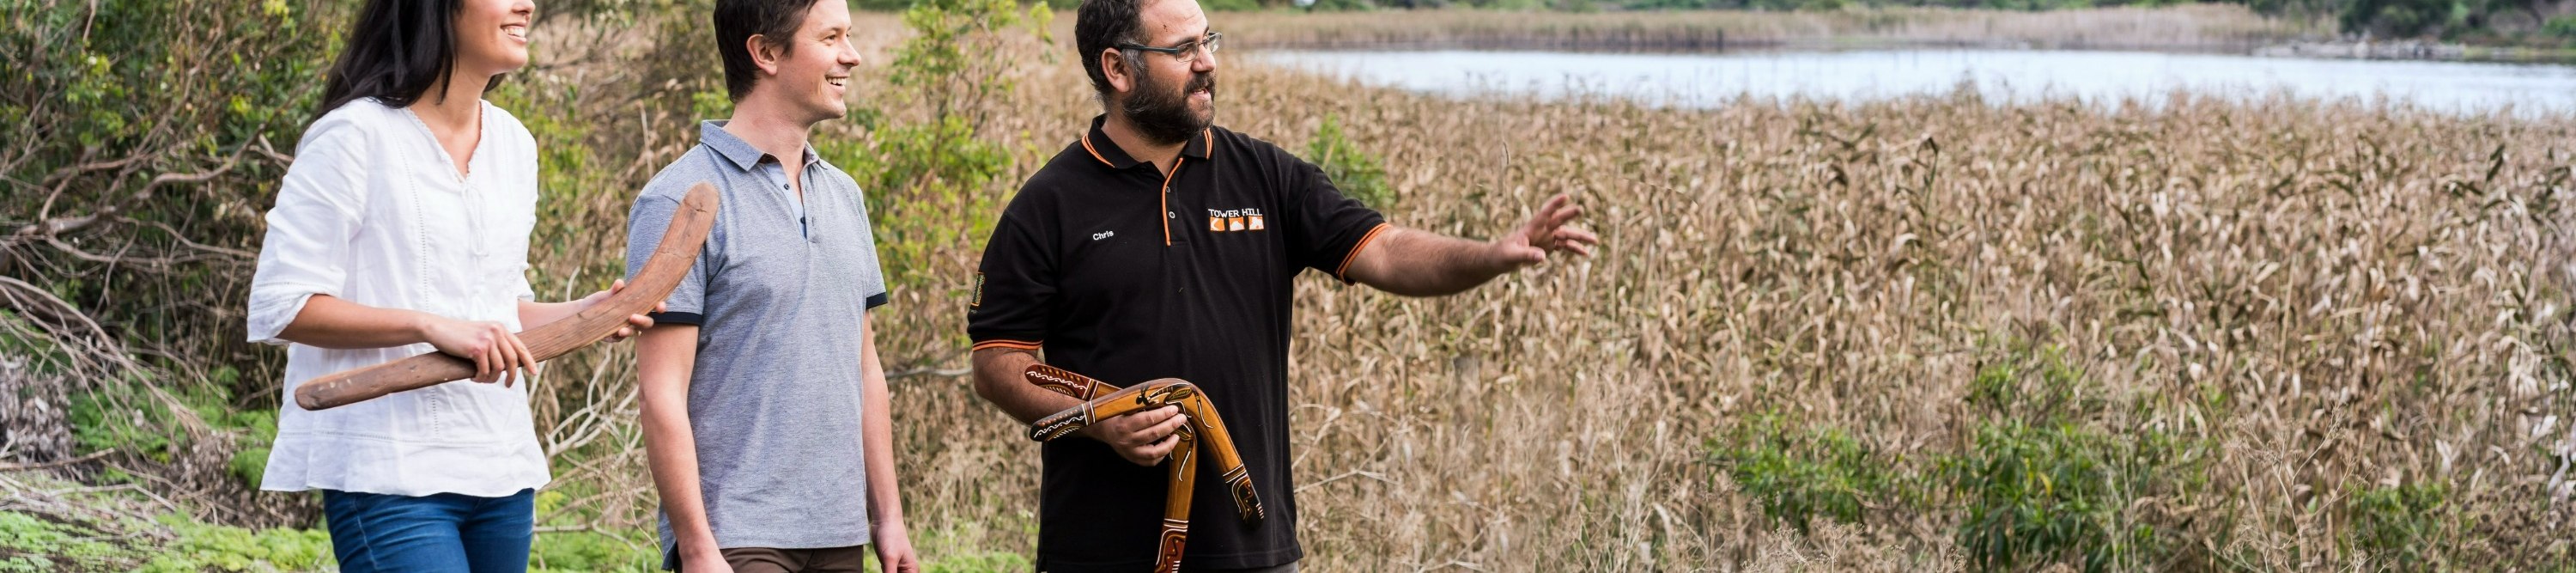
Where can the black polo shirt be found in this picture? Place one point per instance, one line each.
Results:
(1125, 274)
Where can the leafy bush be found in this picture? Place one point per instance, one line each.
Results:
(2562, 27)
(2046, 493)
(930, 166)
(149, 136)
(1802, 474)
(2402, 527)
(1352, 170)
(2042, 481)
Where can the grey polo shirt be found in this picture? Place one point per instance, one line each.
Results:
(779, 294)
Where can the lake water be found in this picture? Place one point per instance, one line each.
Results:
(1701, 80)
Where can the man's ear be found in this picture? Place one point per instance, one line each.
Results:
(1113, 65)
(763, 55)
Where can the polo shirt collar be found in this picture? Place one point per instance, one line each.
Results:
(1108, 153)
(712, 134)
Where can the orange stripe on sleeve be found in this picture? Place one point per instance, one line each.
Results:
(1022, 345)
(1344, 272)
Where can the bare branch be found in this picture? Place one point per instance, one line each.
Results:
(57, 463)
(59, 225)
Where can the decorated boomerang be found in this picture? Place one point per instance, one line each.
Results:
(1205, 431)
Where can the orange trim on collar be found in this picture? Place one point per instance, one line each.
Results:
(1095, 153)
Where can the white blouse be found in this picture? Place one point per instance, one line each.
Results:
(373, 212)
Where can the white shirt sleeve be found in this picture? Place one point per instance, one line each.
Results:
(525, 154)
(309, 231)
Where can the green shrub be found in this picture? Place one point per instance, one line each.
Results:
(2054, 493)
(2562, 27)
(2043, 481)
(2402, 527)
(1352, 170)
(1803, 474)
(927, 174)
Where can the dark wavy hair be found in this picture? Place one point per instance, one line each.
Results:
(736, 21)
(397, 50)
(1104, 24)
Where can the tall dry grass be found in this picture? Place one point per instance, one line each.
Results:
(2379, 294)
(2329, 297)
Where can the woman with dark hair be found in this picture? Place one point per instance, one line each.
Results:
(402, 228)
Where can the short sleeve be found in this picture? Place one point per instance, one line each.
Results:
(1328, 229)
(644, 228)
(872, 277)
(318, 211)
(1014, 286)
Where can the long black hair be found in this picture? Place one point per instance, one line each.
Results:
(397, 51)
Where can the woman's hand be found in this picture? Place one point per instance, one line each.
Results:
(497, 353)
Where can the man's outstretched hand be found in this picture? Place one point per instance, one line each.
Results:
(1546, 233)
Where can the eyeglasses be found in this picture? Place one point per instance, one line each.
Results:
(1186, 52)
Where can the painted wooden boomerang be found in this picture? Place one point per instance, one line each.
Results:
(1205, 431)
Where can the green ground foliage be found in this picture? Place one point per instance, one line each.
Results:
(2044, 476)
(153, 136)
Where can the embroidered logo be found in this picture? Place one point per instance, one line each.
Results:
(1232, 220)
(1103, 235)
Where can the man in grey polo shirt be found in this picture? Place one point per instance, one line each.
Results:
(764, 405)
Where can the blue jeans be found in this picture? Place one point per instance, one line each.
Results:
(445, 532)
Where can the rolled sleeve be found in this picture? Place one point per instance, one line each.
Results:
(645, 226)
(306, 251)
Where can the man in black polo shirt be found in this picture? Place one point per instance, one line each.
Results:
(1158, 246)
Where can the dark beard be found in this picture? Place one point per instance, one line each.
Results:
(1162, 117)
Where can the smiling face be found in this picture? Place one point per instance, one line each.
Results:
(492, 36)
(808, 73)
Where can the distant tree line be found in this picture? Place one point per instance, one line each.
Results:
(2458, 20)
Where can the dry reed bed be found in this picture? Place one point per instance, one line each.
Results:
(2195, 27)
(2373, 289)
(2380, 293)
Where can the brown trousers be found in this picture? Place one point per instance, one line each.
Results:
(852, 559)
